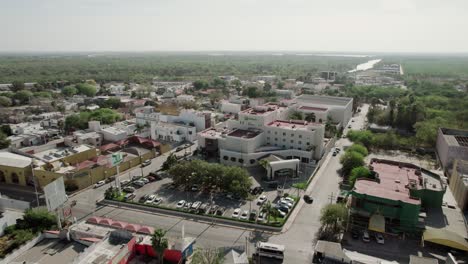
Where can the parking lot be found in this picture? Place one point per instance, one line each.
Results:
(163, 193)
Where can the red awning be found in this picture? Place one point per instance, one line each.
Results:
(146, 230)
(106, 221)
(94, 220)
(132, 227)
(118, 224)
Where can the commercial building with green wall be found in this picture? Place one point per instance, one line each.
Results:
(397, 192)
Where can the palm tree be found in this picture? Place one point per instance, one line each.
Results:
(159, 243)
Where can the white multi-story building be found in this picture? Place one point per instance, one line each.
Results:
(162, 124)
(262, 131)
(338, 109)
(173, 132)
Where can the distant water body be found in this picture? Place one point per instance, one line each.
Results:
(333, 55)
(365, 66)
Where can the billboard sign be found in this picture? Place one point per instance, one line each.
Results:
(55, 195)
(116, 158)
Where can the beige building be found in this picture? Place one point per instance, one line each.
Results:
(459, 183)
(15, 169)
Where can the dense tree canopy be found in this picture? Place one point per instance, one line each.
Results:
(211, 175)
(86, 89)
(80, 121)
(358, 172)
(351, 160)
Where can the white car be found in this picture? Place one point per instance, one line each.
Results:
(157, 201)
(244, 215)
(236, 213)
(99, 184)
(285, 203)
(146, 181)
(365, 236)
(281, 212)
(379, 238)
(289, 199)
(262, 199)
(151, 199)
(261, 217)
(180, 204)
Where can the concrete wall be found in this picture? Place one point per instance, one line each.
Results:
(8, 174)
(7, 203)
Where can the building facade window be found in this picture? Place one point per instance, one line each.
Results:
(252, 161)
(233, 159)
(292, 141)
(225, 158)
(241, 161)
(300, 136)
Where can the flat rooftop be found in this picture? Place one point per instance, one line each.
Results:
(242, 133)
(213, 133)
(51, 251)
(455, 137)
(394, 179)
(262, 109)
(324, 100)
(292, 124)
(57, 153)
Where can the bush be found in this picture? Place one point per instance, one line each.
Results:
(359, 149)
(358, 172)
(37, 220)
(351, 160)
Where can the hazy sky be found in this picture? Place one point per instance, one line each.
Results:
(184, 25)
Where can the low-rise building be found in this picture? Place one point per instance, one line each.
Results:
(392, 200)
(177, 132)
(15, 169)
(459, 183)
(451, 144)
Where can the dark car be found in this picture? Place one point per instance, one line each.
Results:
(179, 149)
(220, 211)
(213, 209)
(256, 190)
(308, 199)
(253, 215)
(143, 198)
(355, 234)
(151, 178)
(129, 196)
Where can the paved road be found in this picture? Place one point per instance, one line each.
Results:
(298, 236)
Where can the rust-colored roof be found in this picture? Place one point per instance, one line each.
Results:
(393, 183)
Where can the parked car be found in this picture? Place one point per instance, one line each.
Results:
(187, 205)
(151, 199)
(379, 238)
(99, 184)
(146, 181)
(195, 188)
(253, 215)
(281, 212)
(111, 178)
(256, 190)
(146, 163)
(124, 182)
(144, 198)
(180, 148)
(365, 236)
(138, 184)
(236, 213)
(129, 196)
(136, 177)
(128, 189)
(355, 234)
(308, 199)
(289, 199)
(287, 204)
(282, 208)
(157, 201)
(151, 178)
(230, 196)
(244, 215)
(262, 199)
(349, 126)
(181, 204)
(196, 205)
(220, 211)
(203, 208)
(261, 217)
(334, 153)
(213, 209)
